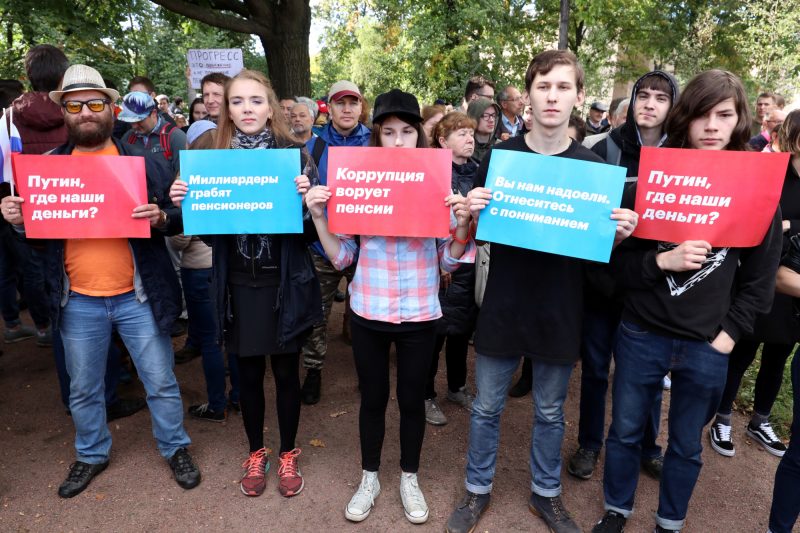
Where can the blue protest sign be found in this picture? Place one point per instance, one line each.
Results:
(552, 204)
(241, 191)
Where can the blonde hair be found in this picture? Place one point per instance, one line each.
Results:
(276, 123)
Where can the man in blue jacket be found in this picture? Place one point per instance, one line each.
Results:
(100, 285)
(345, 104)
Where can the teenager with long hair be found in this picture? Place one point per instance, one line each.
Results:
(266, 292)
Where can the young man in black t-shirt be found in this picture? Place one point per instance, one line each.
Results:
(532, 307)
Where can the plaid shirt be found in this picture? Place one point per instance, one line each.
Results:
(397, 278)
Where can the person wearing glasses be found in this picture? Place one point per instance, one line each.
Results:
(100, 285)
(477, 88)
(486, 114)
(511, 104)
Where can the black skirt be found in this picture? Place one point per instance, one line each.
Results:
(254, 330)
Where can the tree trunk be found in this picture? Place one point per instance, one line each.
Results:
(287, 49)
(563, 25)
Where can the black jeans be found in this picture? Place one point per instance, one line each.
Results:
(770, 375)
(371, 348)
(456, 359)
(286, 371)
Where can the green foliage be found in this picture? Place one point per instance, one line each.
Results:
(430, 47)
(120, 39)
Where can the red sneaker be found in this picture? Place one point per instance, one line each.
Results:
(254, 480)
(291, 479)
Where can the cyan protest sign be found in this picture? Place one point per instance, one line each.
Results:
(241, 191)
(552, 204)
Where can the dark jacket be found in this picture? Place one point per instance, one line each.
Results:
(626, 137)
(40, 122)
(299, 302)
(458, 299)
(151, 260)
(781, 324)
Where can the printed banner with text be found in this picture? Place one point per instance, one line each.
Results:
(87, 197)
(205, 61)
(241, 191)
(552, 204)
(389, 191)
(725, 198)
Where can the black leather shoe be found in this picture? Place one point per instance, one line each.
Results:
(311, 386)
(78, 478)
(124, 407)
(186, 472)
(466, 515)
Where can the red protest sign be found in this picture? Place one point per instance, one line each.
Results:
(68, 197)
(725, 198)
(389, 191)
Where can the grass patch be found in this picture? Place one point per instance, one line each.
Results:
(781, 416)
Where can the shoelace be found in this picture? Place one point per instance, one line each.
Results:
(255, 463)
(723, 432)
(202, 408)
(558, 509)
(766, 428)
(412, 493)
(78, 471)
(288, 463)
(183, 462)
(364, 494)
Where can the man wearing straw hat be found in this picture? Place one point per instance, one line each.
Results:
(124, 284)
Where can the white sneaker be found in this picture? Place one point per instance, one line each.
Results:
(362, 501)
(667, 383)
(413, 501)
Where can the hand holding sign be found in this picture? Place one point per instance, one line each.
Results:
(11, 207)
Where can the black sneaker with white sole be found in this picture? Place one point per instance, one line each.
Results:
(766, 437)
(720, 435)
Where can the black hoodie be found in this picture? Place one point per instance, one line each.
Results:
(626, 137)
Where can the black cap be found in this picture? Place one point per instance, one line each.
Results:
(396, 102)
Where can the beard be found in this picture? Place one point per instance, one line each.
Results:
(90, 132)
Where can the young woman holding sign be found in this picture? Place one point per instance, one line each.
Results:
(266, 293)
(686, 305)
(408, 269)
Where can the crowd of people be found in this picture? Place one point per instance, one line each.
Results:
(685, 316)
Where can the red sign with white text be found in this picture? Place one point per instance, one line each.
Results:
(389, 191)
(725, 198)
(69, 197)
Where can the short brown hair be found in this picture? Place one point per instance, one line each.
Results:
(475, 83)
(701, 94)
(214, 77)
(544, 62)
(142, 80)
(430, 111)
(656, 82)
(788, 136)
(453, 121)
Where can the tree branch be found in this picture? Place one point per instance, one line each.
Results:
(234, 6)
(212, 17)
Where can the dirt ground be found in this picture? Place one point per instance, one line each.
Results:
(137, 492)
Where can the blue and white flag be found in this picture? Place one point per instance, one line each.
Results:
(10, 141)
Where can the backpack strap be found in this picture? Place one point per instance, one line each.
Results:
(163, 137)
(613, 153)
(317, 150)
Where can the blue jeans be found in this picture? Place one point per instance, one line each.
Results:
(493, 378)
(112, 371)
(599, 334)
(698, 378)
(86, 325)
(203, 332)
(785, 494)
